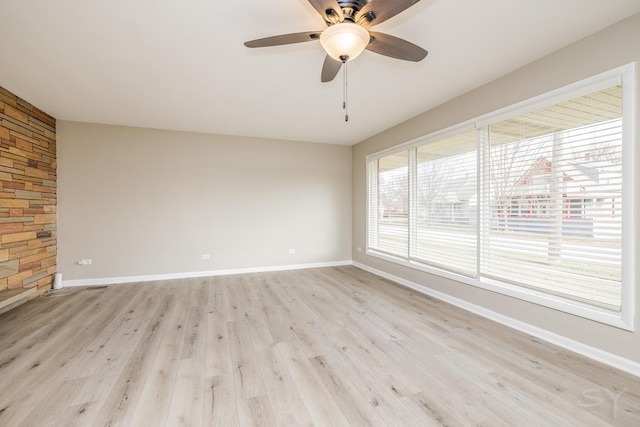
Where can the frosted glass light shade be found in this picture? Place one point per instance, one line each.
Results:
(344, 39)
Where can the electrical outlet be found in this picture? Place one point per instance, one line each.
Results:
(292, 251)
(85, 261)
(359, 249)
(206, 256)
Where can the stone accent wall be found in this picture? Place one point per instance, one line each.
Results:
(27, 195)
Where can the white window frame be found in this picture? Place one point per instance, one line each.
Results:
(623, 319)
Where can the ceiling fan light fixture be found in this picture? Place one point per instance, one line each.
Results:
(346, 39)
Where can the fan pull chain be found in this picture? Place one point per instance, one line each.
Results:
(344, 90)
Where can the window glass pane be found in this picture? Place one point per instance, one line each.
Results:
(446, 204)
(389, 204)
(554, 199)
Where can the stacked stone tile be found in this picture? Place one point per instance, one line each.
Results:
(27, 195)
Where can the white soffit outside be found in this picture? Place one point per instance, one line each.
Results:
(182, 65)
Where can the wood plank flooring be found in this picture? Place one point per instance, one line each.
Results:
(318, 347)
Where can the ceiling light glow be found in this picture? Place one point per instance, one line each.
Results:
(344, 41)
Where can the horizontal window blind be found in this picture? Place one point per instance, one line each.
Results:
(531, 204)
(388, 219)
(446, 204)
(552, 199)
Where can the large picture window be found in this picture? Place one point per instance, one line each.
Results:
(553, 212)
(533, 204)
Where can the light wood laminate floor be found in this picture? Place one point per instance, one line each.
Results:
(321, 347)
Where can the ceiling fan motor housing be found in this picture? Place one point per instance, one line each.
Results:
(350, 8)
(354, 4)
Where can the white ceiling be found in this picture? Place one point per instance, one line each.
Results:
(182, 65)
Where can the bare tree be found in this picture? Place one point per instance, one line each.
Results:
(599, 143)
(434, 179)
(509, 162)
(394, 190)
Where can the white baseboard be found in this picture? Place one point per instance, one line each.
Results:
(559, 340)
(154, 277)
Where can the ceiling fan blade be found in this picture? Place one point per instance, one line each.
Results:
(377, 11)
(284, 39)
(330, 69)
(335, 11)
(387, 45)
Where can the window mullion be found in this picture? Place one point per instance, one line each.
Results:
(484, 198)
(413, 191)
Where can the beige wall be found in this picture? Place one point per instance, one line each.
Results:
(615, 46)
(142, 202)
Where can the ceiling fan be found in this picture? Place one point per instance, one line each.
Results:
(346, 35)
